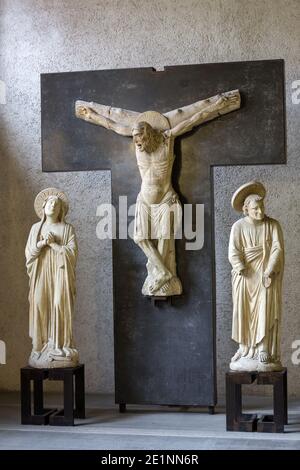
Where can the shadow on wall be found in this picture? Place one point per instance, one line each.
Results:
(16, 197)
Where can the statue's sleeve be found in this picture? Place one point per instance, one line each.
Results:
(31, 250)
(68, 253)
(70, 248)
(235, 253)
(276, 259)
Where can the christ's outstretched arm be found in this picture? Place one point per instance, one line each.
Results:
(117, 119)
(181, 120)
(203, 111)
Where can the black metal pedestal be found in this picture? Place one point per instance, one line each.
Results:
(122, 407)
(73, 379)
(238, 421)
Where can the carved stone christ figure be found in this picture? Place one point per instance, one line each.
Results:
(51, 254)
(158, 210)
(256, 254)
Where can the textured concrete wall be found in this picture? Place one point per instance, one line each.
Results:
(38, 36)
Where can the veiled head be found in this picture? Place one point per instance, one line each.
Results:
(46, 196)
(53, 207)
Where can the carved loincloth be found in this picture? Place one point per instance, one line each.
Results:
(157, 221)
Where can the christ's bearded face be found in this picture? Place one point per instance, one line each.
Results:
(144, 137)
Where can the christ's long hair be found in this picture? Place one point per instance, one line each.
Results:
(151, 137)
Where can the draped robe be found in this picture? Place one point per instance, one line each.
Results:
(51, 289)
(257, 247)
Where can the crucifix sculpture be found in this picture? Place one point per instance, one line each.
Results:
(163, 355)
(158, 208)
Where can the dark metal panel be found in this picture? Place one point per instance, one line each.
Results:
(166, 354)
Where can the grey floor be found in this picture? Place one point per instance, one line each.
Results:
(143, 428)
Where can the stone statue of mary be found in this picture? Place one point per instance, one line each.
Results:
(51, 254)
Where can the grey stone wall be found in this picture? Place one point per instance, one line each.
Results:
(39, 36)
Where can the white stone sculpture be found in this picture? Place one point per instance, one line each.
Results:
(158, 210)
(256, 254)
(51, 254)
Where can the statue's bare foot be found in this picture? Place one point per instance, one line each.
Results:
(264, 357)
(237, 356)
(157, 283)
(165, 288)
(241, 352)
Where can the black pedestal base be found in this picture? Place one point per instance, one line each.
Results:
(238, 421)
(122, 407)
(73, 379)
